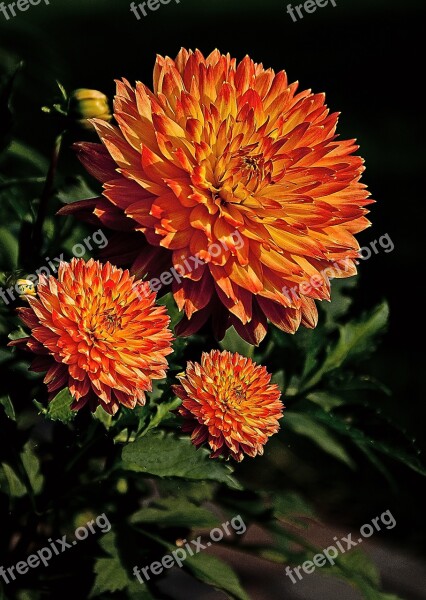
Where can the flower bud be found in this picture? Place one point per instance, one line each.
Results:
(88, 104)
(25, 288)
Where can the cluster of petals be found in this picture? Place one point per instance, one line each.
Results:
(229, 403)
(220, 151)
(98, 332)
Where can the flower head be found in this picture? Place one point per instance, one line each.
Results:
(229, 402)
(230, 154)
(98, 332)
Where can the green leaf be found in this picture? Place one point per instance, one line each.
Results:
(137, 591)
(162, 411)
(31, 465)
(59, 408)
(175, 512)
(340, 302)
(355, 339)
(6, 402)
(73, 189)
(110, 577)
(217, 573)
(172, 310)
(28, 155)
(6, 117)
(165, 455)
(16, 488)
(18, 334)
(234, 343)
(279, 379)
(357, 569)
(8, 250)
(326, 400)
(290, 506)
(196, 491)
(288, 546)
(103, 417)
(305, 425)
(360, 439)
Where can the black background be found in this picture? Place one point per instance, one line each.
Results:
(368, 58)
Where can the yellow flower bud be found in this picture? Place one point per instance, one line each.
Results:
(25, 287)
(88, 104)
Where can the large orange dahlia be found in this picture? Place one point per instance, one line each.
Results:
(229, 402)
(229, 155)
(98, 332)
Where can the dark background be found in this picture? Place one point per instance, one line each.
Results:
(367, 56)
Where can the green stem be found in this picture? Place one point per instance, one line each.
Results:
(91, 440)
(47, 192)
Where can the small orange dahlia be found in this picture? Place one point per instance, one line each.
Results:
(228, 155)
(99, 332)
(229, 402)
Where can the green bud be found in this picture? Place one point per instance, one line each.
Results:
(88, 104)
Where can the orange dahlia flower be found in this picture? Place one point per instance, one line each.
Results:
(98, 332)
(229, 402)
(228, 155)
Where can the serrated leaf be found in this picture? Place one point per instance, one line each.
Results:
(303, 424)
(59, 409)
(217, 573)
(136, 591)
(110, 577)
(166, 455)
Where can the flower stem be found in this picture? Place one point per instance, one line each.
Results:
(46, 193)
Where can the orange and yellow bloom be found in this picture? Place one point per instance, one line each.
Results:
(98, 332)
(229, 403)
(219, 147)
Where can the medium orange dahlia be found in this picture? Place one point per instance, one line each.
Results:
(98, 332)
(229, 155)
(229, 402)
